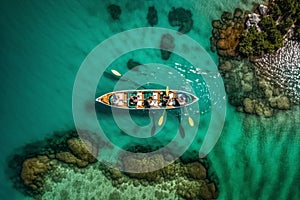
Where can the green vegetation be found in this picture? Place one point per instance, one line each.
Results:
(282, 16)
(267, 23)
(257, 43)
(288, 7)
(275, 11)
(297, 32)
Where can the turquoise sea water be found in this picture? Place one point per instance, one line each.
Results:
(43, 44)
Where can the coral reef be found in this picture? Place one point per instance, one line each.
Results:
(144, 168)
(249, 92)
(114, 11)
(83, 149)
(195, 170)
(227, 33)
(182, 18)
(196, 190)
(69, 158)
(39, 159)
(33, 170)
(229, 40)
(80, 153)
(191, 180)
(152, 17)
(40, 176)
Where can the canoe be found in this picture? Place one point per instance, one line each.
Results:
(147, 99)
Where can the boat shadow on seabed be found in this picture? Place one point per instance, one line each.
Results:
(157, 117)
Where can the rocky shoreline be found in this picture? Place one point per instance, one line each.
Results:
(260, 85)
(35, 170)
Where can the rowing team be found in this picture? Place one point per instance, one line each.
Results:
(152, 103)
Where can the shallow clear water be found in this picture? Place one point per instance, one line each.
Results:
(43, 44)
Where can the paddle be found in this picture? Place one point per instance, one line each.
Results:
(167, 91)
(113, 74)
(161, 119)
(190, 120)
(117, 75)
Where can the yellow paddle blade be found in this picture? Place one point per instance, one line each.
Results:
(115, 72)
(191, 121)
(161, 120)
(167, 91)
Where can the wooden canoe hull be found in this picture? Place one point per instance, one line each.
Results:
(147, 99)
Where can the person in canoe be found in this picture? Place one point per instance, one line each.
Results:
(133, 100)
(164, 101)
(116, 100)
(173, 102)
(147, 102)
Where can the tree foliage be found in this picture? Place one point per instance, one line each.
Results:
(282, 16)
(275, 11)
(284, 26)
(267, 22)
(290, 15)
(288, 6)
(297, 32)
(257, 43)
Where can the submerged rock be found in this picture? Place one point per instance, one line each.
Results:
(283, 103)
(253, 20)
(226, 16)
(114, 11)
(182, 18)
(226, 66)
(208, 191)
(263, 10)
(248, 106)
(80, 153)
(217, 24)
(143, 168)
(196, 190)
(84, 150)
(259, 108)
(167, 45)
(229, 40)
(69, 158)
(152, 17)
(195, 170)
(33, 171)
(191, 178)
(227, 32)
(115, 195)
(268, 112)
(238, 13)
(132, 64)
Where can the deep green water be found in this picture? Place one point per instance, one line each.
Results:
(43, 44)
